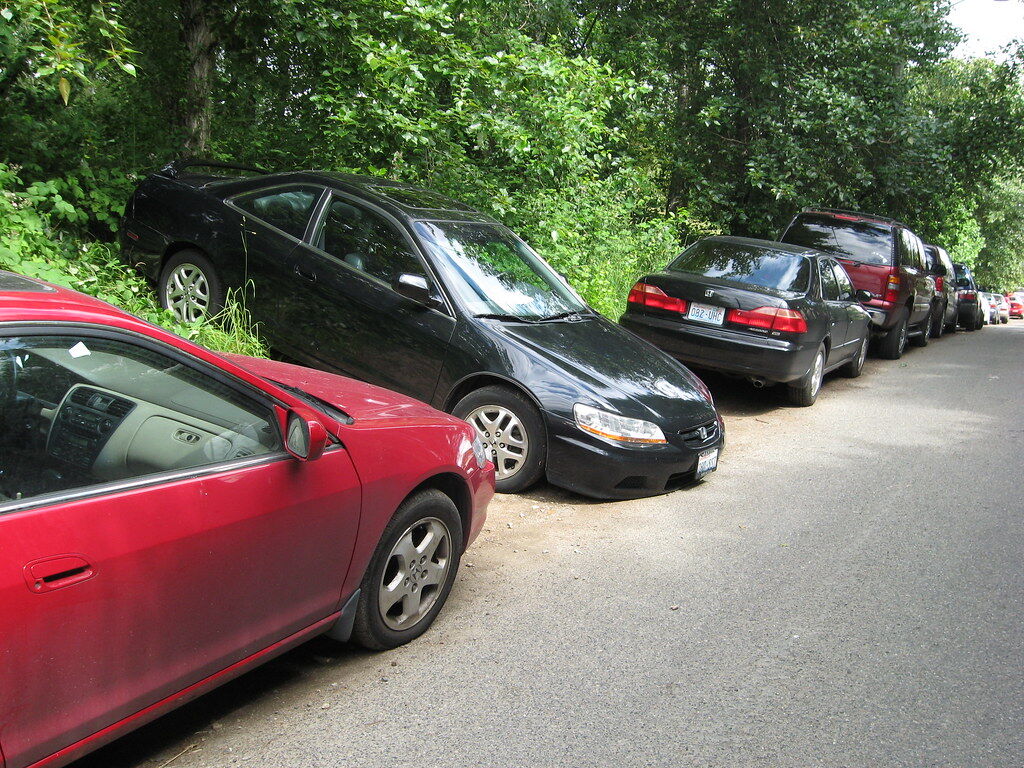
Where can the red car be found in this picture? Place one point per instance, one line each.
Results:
(170, 518)
(1016, 306)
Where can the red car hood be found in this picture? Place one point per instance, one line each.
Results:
(356, 398)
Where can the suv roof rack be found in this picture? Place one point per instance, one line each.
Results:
(858, 214)
(174, 168)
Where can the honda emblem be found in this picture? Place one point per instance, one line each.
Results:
(708, 293)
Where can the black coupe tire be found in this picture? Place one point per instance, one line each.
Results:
(855, 366)
(805, 392)
(895, 341)
(512, 431)
(189, 286)
(427, 524)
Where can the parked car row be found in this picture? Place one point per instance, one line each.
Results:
(147, 485)
(790, 311)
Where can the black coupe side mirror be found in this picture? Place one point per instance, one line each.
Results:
(414, 287)
(864, 296)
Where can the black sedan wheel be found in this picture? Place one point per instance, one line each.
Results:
(189, 286)
(806, 392)
(411, 573)
(853, 368)
(512, 432)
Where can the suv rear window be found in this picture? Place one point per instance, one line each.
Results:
(746, 264)
(857, 240)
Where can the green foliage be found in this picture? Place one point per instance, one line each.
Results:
(61, 41)
(31, 245)
(606, 134)
(1000, 264)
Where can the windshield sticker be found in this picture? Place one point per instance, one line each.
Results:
(79, 350)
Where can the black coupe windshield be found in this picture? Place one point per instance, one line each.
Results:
(495, 273)
(746, 264)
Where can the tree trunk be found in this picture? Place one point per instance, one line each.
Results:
(200, 45)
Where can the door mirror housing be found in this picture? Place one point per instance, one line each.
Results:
(414, 287)
(864, 296)
(305, 437)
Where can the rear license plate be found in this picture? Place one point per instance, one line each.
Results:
(707, 461)
(704, 313)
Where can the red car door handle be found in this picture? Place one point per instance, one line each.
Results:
(49, 573)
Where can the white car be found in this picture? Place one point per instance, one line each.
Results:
(986, 307)
(1002, 308)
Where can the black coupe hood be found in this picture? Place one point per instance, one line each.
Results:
(618, 369)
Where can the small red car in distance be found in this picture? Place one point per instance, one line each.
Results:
(170, 518)
(1016, 305)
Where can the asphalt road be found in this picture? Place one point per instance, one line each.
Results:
(847, 590)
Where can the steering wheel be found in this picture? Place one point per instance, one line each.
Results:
(8, 382)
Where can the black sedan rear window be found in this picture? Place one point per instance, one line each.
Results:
(858, 240)
(746, 264)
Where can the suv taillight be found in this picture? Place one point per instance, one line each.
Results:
(892, 289)
(939, 283)
(769, 318)
(652, 296)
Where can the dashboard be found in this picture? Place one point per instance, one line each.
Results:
(113, 436)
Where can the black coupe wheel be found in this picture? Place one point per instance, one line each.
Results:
(806, 392)
(512, 432)
(411, 573)
(189, 286)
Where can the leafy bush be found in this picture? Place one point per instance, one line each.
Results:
(32, 245)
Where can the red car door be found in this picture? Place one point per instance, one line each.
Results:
(121, 593)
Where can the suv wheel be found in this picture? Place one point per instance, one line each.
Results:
(938, 325)
(895, 341)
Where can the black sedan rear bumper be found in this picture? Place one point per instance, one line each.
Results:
(722, 349)
(602, 469)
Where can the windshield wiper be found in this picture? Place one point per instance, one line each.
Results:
(574, 314)
(507, 318)
(317, 402)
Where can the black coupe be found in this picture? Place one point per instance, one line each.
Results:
(405, 288)
(768, 311)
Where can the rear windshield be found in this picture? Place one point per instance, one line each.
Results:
(858, 240)
(746, 264)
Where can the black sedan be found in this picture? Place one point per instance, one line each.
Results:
(410, 290)
(771, 312)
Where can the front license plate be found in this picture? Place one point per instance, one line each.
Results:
(707, 462)
(703, 313)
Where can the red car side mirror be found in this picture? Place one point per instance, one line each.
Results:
(305, 437)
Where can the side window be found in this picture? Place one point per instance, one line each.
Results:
(76, 411)
(366, 241)
(287, 208)
(845, 285)
(829, 286)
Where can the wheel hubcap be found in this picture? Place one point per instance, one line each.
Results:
(415, 573)
(819, 367)
(863, 354)
(187, 292)
(503, 436)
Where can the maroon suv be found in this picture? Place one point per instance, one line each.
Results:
(884, 258)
